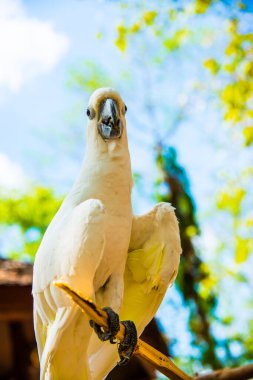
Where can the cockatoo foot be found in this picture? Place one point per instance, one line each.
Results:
(113, 324)
(127, 346)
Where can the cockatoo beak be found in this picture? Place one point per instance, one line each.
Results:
(109, 124)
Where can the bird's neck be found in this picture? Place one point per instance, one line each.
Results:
(105, 173)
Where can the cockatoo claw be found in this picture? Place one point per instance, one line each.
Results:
(127, 346)
(113, 325)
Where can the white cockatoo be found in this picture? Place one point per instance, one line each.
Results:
(96, 245)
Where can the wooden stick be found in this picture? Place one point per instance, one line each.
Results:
(161, 362)
(239, 373)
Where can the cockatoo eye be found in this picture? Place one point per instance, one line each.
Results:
(90, 113)
(125, 108)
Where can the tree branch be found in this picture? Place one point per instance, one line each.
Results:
(240, 373)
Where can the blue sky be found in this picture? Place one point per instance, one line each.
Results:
(36, 104)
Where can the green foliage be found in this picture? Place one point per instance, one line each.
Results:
(177, 40)
(231, 200)
(236, 92)
(31, 213)
(89, 76)
(156, 22)
(235, 70)
(201, 6)
(195, 281)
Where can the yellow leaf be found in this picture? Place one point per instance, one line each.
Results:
(233, 26)
(231, 200)
(248, 69)
(135, 28)
(249, 222)
(121, 29)
(232, 114)
(149, 17)
(249, 113)
(207, 285)
(177, 40)
(120, 42)
(241, 250)
(232, 48)
(202, 5)
(241, 5)
(230, 67)
(191, 231)
(248, 135)
(212, 65)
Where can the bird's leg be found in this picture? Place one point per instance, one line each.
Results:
(113, 325)
(112, 294)
(127, 346)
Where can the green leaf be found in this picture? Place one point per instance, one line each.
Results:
(31, 211)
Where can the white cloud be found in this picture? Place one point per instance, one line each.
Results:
(28, 46)
(11, 174)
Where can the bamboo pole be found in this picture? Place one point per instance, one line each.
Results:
(161, 362)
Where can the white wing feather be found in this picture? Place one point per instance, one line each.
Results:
(62, 331)
(152, 266)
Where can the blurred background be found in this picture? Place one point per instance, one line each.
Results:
(185, 72)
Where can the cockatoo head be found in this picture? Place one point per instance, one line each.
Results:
(106, 113)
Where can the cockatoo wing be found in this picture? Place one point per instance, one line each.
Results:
(152, 266)
(62, 330)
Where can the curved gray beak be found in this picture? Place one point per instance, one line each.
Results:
(109, 125)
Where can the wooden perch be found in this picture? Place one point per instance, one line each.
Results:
(161, 362)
